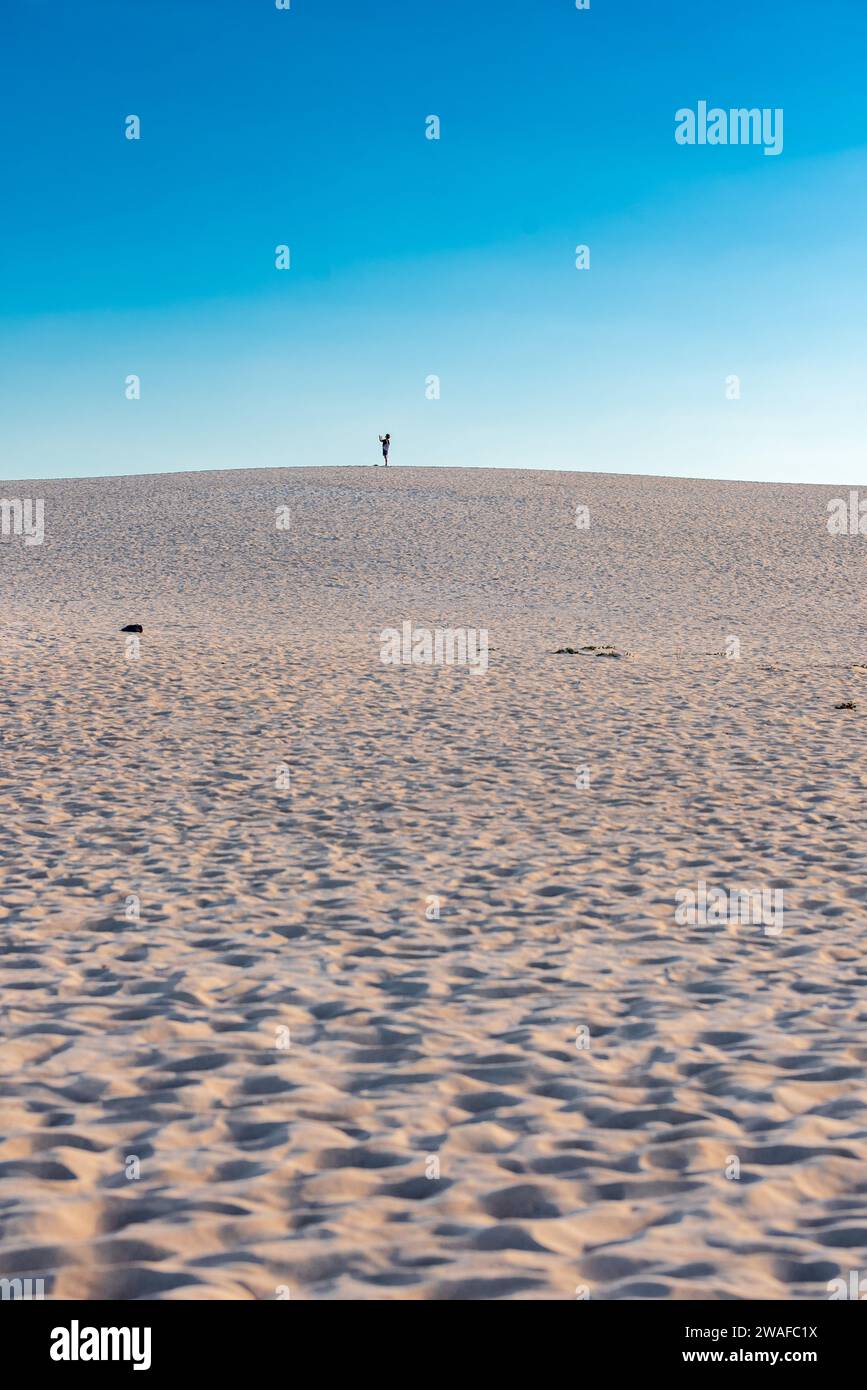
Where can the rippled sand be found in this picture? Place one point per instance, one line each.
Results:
(542, 1089)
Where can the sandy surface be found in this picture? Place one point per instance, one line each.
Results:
(415, 1041)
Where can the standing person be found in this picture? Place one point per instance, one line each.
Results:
(385, 441)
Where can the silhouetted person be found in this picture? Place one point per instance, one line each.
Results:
(385, 441)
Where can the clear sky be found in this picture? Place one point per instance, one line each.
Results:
(413, 257)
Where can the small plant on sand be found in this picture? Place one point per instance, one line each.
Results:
(847, 704)
(586, 651)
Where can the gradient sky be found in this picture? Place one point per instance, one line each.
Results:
(412, 257)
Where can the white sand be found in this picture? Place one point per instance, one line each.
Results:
(412, 1038)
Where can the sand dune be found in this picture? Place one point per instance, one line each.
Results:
(242, 1054)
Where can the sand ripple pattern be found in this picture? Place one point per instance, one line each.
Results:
(323, 1087)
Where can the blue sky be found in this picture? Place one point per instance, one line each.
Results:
(413, 257)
